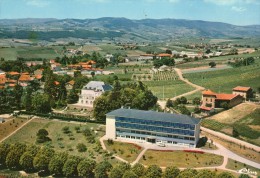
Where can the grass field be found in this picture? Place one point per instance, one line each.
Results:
(235, 165)
(10, 126)
(169, 88)
(127, 151)
(28, 52)
(225, 80)
(244, 118)
(59, 140)
(181, 159)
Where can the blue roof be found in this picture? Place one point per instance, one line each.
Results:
(97, 85)
(153, 115)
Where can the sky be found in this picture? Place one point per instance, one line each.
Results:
(237, 12)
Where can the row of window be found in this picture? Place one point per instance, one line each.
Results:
(155, 123)
(82, 101)
(121, 132)
(155, 129)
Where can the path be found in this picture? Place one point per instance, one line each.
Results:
(17, 130)
(197, 88)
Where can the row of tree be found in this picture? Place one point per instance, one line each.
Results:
(32, 158)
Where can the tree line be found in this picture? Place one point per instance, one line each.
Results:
(47, 161)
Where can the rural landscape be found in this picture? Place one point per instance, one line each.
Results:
(114, 97)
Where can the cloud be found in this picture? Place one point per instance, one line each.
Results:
(238, 9)
(231, 2)
(37, 3)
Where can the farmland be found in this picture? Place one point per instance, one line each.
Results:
(244, 118)
(225, 80)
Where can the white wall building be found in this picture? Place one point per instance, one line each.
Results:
(91, 91)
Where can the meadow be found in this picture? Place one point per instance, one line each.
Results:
(61, 141)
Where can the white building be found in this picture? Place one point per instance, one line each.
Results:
(90, 92)
(153, 127)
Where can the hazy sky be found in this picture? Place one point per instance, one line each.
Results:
(239, 12)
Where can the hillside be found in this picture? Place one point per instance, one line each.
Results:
(122, 28)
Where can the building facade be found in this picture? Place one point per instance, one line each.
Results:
(153, 127)
(91, 91)
(245, 92)
(211, 100)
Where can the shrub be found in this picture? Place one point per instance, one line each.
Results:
(81, 147)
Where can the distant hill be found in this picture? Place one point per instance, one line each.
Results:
(108, 27)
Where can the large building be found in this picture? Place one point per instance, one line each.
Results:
(153, 127)
(91, 91)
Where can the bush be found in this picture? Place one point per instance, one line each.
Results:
(81, 147)
(66, 129)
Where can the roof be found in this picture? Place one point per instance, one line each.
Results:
(72, 82)
(164, 55)
(155, 116)
(25, 78)
(208, 92)
(206, 108)
(97, 85)
(223, 96)
(13, 73)
(239, 88)
(56, 82)
(38, 76)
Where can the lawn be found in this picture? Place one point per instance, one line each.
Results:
(127, 151)
(10, 126)
(235, 165)
(59, 140)
(181, 159)
(168, 88)
(225, 80)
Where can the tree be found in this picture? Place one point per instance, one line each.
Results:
(235, 133)
(212, 64)
(86, 167)
(196, 101)
(92, 74)
(4, 150)
(26, 160)
(169, 103)
(129, 174)
(72, 97)
(42, 136)
(27, 99)
(138, 169)
(13, 156)
(153, 171)
(224, 105)
(168, 51)
(41, 103)
(42, 158)
(205, 174)
(225, 175)
(183, 100)
(187, 173)
(197, 109)
(171, 172)
(208, 51)
(244, 176)
(116, 172)
(81, 147)
(18, 92)
(102, 169)
(57, 162)
(70, 166)
(233, 51)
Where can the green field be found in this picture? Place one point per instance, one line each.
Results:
(59, 140)
(225, 80)
(169, 88)
(236, 165)
(181, 159)
(28, 52)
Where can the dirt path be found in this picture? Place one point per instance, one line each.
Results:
(16, 130)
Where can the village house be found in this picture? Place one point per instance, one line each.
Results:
(144, 57)
(159, 56)
(24, 80)
(2, 72)
(55, 66)
(245, 92)
(89, 93)
(212, 100)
